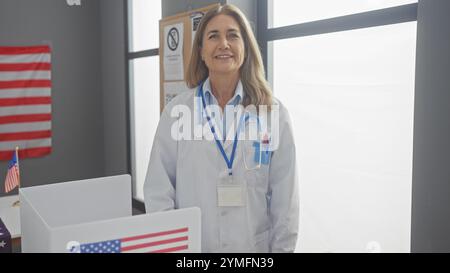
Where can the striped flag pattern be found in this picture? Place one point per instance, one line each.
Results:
(159, 242)
(25, 101)
(12, 176)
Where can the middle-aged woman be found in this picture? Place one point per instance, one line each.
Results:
(247, 190)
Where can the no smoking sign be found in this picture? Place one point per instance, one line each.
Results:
(173, 39)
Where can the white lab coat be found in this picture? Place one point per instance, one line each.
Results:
(186, 173)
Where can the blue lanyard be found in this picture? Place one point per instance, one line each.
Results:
(228, 161)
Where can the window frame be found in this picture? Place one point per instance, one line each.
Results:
(130, 56)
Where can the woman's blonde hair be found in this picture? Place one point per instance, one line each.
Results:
(256, 89)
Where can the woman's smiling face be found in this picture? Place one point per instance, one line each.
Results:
(223, 48)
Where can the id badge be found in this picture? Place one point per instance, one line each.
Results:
(230, 193)
(230, 196)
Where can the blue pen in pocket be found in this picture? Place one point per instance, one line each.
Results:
(261, 156)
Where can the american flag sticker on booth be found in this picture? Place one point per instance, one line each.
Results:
(165, 241)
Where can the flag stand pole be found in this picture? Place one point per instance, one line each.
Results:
(17, 203)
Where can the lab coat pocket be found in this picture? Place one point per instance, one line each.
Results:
(251, 155)
(262, 241)
(255, 172)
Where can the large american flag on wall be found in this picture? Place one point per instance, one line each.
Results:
(25, 101)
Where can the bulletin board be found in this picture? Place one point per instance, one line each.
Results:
(176, 35)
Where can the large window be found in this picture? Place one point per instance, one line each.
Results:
(350, 95)
(143, 63)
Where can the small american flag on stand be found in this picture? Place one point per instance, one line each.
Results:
(13, 176)
(158, 242)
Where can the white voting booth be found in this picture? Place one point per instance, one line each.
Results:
(95, 215)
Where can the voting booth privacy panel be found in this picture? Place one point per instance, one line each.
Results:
(176, 37)
(95, 216)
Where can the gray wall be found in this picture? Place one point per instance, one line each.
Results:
(115, 110)
(89, 102)
(431, 167)
(77, 114)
